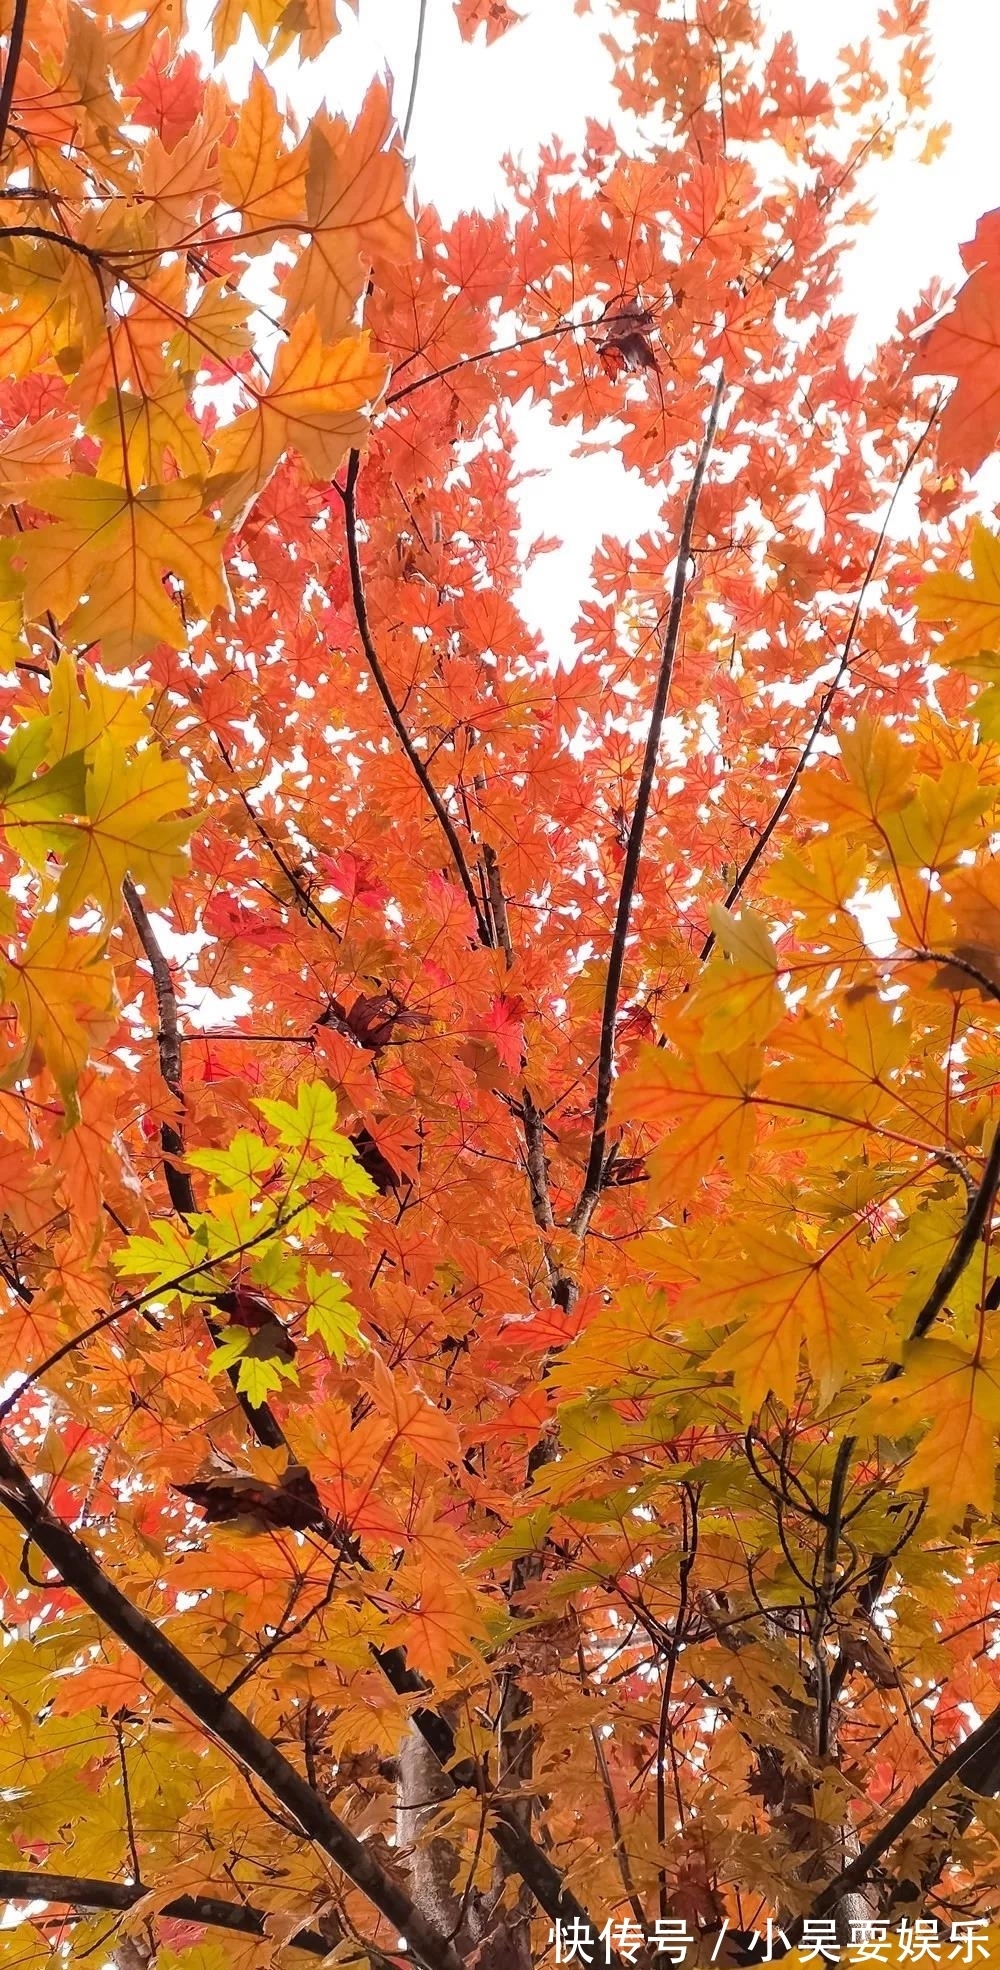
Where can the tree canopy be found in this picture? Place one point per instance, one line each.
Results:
(499, 1143)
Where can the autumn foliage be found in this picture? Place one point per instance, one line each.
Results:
(498, 1145)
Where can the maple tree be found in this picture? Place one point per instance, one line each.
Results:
(499, 1146)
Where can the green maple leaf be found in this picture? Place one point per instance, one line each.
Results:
(330, 1313)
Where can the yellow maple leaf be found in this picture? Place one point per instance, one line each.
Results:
(958, 1392)
(313, 404)
(943, 819)
(877, 778)
(819, 881)
(259, 177)
(130, 828)
(972, 605)
(840, 1071)
(229, 15)
(218, 327)
(789, 1293)
(99, 570)
(77, 717)
(38, 303)
(62, 990)
(737, 999)
(136, 432)
(707, 1102)
(355, 187)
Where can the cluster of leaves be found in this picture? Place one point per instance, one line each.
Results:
(545, 1462)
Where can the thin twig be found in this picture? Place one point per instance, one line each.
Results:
(743, 875)
(415, 77)
(134, 1305)
(616, 960)
(382, 686)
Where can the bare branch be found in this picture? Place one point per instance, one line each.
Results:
(605, 1065)
(77, 1891)
(15, 42)
(382, 686)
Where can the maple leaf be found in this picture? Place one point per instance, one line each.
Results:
(228, 17)
(972, 605)
(80, 712)
(738, 1002)
(314, 403)
(62, 990)
(129, 827)
(329, 1312)
(787, 1294)
(355, 185)
(957, 1392)
(493, 15)
(708, 1100)
(965, 345)
(262, 1364)
(100, 570)
(252, 1505)
(259, 177)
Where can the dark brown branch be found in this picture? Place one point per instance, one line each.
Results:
(382, 686)
(15, 43)
(252, 1750)
(974, 1224)
(79, 1892)
(616, 961)
(484, 356)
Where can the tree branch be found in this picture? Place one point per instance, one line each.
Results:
(79, 1892)
(973, 1226)
(168, 1046)
(616, 961)
(382, 686)
(415, 77)
(252, 1750)
(15, 43)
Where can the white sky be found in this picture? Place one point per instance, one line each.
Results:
(545, 77)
